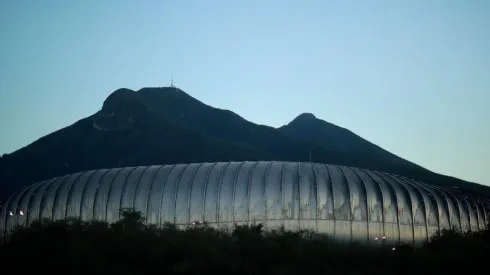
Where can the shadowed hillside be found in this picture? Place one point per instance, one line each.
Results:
(333, 138)
(167, 126)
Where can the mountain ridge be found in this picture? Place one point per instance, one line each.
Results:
(307, 126)
(167, 126)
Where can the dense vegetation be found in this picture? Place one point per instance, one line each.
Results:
(167, 126)
(131, 247)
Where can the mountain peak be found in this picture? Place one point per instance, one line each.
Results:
(305, 116)
(309, 120)
(165, 125)
(169, 93)
(161, 89)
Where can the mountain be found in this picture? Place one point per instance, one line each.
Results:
(333, 138)
(166, 125)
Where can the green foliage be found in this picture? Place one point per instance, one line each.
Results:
(129, 246)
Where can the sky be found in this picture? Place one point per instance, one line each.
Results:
(412, 76)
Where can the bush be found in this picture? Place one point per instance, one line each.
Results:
(129, 246)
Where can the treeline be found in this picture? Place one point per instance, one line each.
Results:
(130, 247)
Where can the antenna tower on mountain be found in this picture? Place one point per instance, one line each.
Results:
(172, 83)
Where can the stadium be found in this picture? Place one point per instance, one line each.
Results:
(348, 204)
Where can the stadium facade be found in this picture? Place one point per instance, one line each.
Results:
(348, 204)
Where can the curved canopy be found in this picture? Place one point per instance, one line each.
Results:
(349, 204)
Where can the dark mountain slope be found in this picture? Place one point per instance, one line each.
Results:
(178, 107)
(334, 138)
(123, 133)
(186, 111)
(291, 142)
(166, 125)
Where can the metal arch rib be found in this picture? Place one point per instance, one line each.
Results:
(5, 214)
(176, 191)
(38, 187)
(281, 186)
(447, 197)
(218, 192)
(483, 212)
(30, 189)
(84, 189)
(363, 186)
(395, 198)
(486, 207)
(405, 192)
(446, 202)
(46, 191)
(329, 186)
(477, 211)
(234, 191)
(466, 209)
(264, 192)
(421, 186)
(56, 195)
(205, 190)
(7, 207)
(160, 224)
(95, 193)
(190, 193)
(404, 184)
(380, 193)
(69, 193)
(298, 194)
(469, 203)
(482, 221)
(108, 194)
(123, 188)
(137, 185)
(149, 192)
(349, 197)
(456, 201)
(315, 190)
(418, 188)
(250, 175)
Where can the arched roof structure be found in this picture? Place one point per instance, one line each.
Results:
(349, 204)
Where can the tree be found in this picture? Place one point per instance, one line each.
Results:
(130, 219)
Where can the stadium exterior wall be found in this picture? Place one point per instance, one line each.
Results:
(348, 204)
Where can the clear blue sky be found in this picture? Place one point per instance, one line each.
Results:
(411, 76)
